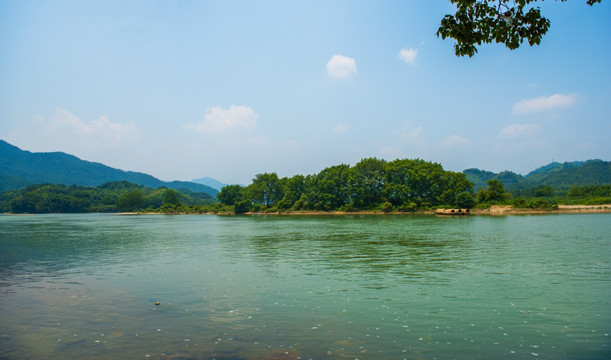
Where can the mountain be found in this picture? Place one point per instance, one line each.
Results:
(582, 173)
(19, 168)
(559, 176)
(546, 168)
(480, 177)
(213, 183)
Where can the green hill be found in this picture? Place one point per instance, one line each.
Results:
(559, 176)
(480, 177)
(19, 168)
(563, 176)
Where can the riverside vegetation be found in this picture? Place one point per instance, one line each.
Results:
(373, 185)
(119, 196)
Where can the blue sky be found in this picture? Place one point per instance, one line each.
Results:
(229, 89)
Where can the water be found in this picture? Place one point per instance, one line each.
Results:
(319, 287)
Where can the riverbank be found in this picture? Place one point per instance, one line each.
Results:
(496, 210)
(562, 209)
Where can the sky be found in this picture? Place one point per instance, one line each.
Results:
(230, 89)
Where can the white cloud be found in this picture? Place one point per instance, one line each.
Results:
(556, 101)
(219, 120)
(101, 129)
(454, 141)
(340, 128)
(341, 66)
(94, 140)
(408, 56)
(390, 152)
(412, 133)
(515, 130)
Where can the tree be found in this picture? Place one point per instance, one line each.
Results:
(294, 188)
(575, 191)
(544, 190)
(456, 189)
(465, 200)
(329, 188)
(502, 21)
(366, 181)
(399, 176)
(494, 193)
(266, 189)
(412, 181)
(171, 197)
(130, 201)
(231, 194)
(242, 207)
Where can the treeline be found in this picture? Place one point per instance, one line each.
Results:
(372, 184)
(402, 185)
(109, 197)
(543, 196)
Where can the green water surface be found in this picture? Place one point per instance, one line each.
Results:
(309, 287)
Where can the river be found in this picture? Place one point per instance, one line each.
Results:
(305, 287)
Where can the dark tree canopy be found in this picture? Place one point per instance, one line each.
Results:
(502, 21)
(372, 184)
(230, 194)
(130, 201)
(109, 197)
(171, 197)
(494, 193)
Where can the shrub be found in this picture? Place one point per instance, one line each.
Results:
(410, 207)
(465, 200)
(520, 203)
(241, 207)
(541, 204)
(386, 207)
(302, 203)
(347, 208)
(599, 200)
(544, 191)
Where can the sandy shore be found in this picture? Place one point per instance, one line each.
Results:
(493, 210)
(562, 209)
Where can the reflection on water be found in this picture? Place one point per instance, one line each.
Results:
(269, 287)
(385, 251)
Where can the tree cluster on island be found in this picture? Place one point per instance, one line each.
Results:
(402, 185)
(371, 184)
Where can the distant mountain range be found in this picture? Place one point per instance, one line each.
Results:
(557, 175)
(19, 168)
(208, 181)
